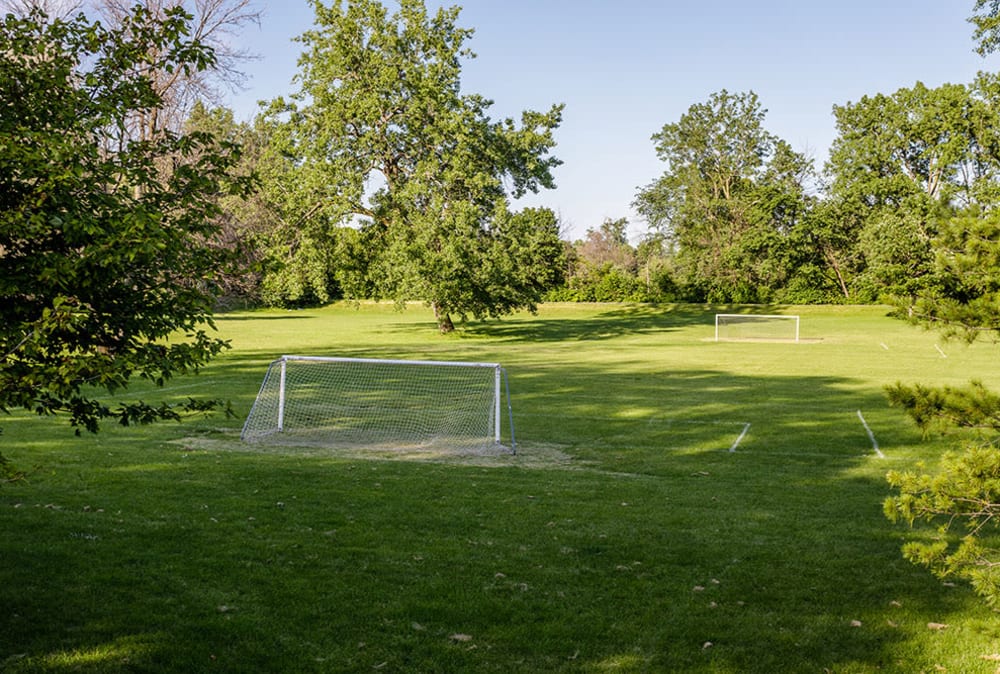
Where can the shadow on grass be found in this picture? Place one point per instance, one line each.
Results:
(272, 563)
(130, 552)
(608, 324)
(611, 321)
(238, 316)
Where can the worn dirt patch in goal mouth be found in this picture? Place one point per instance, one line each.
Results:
(527, 456)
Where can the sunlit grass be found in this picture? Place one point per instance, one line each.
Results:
(631, 532)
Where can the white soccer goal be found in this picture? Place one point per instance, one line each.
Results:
(756, 327)
(383, 404)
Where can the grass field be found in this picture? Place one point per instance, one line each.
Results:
(676, 504)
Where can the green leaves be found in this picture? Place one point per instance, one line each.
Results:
(381, 137)
(966, 490)
(964, 301)
(986, 19)
(104, 236)
(731, 194)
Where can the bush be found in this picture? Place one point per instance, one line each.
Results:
(611, 283)
(809, 285)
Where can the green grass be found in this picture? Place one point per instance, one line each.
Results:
(624, 537)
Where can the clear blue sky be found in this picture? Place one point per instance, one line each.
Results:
(624, 68)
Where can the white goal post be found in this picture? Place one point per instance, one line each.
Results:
(381, 403)
(756, 327)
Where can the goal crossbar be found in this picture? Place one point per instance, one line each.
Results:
(387, 361)
(362, 399)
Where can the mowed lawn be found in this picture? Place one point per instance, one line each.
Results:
(676, 505)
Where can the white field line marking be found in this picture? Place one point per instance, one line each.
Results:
(732, 448)
(871, 436)
(746, 427)
(882, 344)
(943, 354)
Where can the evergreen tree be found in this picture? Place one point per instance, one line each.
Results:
(961, 500)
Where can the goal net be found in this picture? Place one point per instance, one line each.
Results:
(756, 327)
(381, 404)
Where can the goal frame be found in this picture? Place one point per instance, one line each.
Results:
(499, 381)
(789, 317)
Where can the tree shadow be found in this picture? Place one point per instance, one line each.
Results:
(610, 323)
(236, 317)
(593, 563)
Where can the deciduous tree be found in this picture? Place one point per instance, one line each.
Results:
(213, 23)
(105, 274)
(903, 162)
(731, 194)
(986, 19)
(608, 244)
(383, 138)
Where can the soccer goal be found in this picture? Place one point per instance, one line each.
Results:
(383, 404)
(756, 328)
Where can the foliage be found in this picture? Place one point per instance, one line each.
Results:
(240, 220)
(465, 269)
(605, 283)
(381, 138)
(287, 256)
(741, 225)
(212, 24)
(730, 197)
(605, 267)
(986, 19)
(963, 495)
(895, 148)
(965, 301)
(917, 171)
(903, 163)
(103, 253)
(602, 268)
(897, 255)
(966, 488)
(608, 244)
(942, 409)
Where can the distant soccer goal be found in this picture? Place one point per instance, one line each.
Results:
(756, 328)
(383, 404)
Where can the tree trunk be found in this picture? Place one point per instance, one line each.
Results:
(444, 322)
(832, 259)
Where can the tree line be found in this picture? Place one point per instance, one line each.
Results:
(361, 170)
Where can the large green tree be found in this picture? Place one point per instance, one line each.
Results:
(105, 271)
(382, 138)
(903, 162)
(729, 198)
